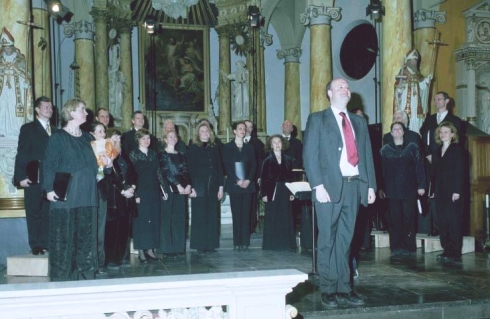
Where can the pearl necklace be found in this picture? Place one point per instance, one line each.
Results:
(72, 132)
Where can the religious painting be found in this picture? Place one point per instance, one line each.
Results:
(176, 69)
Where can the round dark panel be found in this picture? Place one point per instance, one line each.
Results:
(359, 50)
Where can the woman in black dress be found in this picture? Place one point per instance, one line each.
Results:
(404, 178)
(240, 166)
(276, 171)
(73, 223)
(119, 192)
(173, 166)
(448, 171)
(148, 179)
(206, 168)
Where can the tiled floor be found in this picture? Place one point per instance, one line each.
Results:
(385, 284)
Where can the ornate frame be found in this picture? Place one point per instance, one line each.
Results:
(176, 90)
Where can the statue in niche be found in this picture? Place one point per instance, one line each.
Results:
(240, 102)
(412, 91)
(15, 88)
(116, 81)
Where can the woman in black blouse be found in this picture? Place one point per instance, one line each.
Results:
(148, 179)
(240, 166)
(449, 173)
(276, 171)
(73, 223)
(173, 166)
(206, 168)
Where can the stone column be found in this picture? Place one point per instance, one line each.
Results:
(292, 100)
(42, 85)
(318, 18)
(396, 42)
(224, 85)
(84, 56)
(261, 103)
(470, 108)
(101, 58)
(127, 72)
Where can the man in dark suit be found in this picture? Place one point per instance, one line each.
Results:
(295, 149)
(128, 142)
(339, 165)
(103, 116)
(251, 138)
(33, 140)
(443, 114)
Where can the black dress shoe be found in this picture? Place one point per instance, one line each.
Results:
(151, 258)
(351, 299)
(37, 251)
(329, 301)
(142, 261)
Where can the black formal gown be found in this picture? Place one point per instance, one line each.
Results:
(206, 170)
(146, 226)
(278, 224)
(173, 222)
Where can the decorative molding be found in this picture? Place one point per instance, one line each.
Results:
(100, 14)
(83, 30)
(290, 55)
(427, 18)
(315, 15)
(265, 38)
(13, 203)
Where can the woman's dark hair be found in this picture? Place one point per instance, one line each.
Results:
(399, 123)
(235, 125)
(94, 125)
(268, 144)
(140, 133)
(111, 131)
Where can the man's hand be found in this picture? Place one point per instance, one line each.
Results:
(381, 194)
(421, 191)
(245, 183)
(455, 197)
(322, 194)
(371, 196)
(25, 183)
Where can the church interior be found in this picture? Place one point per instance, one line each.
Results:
(266, 61)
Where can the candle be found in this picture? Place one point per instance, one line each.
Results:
(486, 201)
(428, 138)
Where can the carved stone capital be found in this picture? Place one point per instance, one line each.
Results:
(124, 25)
(100, 14)
(290, 55)
(265, 38)
(82, 30)
(427, 19)
(471, 64)
(315, 15)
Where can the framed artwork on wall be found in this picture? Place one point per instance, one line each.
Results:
(174, 70)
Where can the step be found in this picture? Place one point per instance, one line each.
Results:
(382, 239)
(28, 265)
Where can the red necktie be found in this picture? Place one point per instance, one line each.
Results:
(350, 141)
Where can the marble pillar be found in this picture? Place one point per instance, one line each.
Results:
(84, 56)
(292, 98)
(42, 85)
(470, 108)
(261, 125)
(224, 84)
(318, 18)
(426, 40)
(127, 73)
(396, 42)
(101, 58)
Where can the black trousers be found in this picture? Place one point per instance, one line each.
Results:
(37, 216)
(73, 243)
(240, 204)
(449, 221)
(336, 222)
(402, 214)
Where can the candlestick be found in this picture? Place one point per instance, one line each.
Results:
(486, 201)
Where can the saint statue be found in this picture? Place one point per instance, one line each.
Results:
(15, 89)
(412, 91)
(239, 106)
(116, 80)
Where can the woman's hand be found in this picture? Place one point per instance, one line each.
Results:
(181, 189)
(455, 197)
(138, 200)
(220, 193)
(107, 161)
(421, 192)
(128, 193)
(264, 199)
(245, 183)
(240, 183)
(187, 190)
(52, 197)
(193, 193)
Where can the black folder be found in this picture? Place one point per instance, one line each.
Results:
(33, 171)
(61, 185)
(241, 170)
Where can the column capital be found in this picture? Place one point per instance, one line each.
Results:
(471, 64)
(315, 15)
(99, 14)
(423, 18)
(125, 25)
(290, 55)
(265, 38)
(83, 30)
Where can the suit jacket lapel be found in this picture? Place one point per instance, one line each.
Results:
(330, 121)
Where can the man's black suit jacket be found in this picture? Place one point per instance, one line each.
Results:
(258, 146)
(33, 140)
(295, 150)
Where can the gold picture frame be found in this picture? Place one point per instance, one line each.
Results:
(174, 69)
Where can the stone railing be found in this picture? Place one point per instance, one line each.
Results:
(234, 295)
